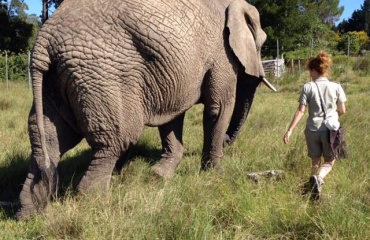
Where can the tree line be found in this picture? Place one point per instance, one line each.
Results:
(293, 24)
(18, 29)
(299, 25)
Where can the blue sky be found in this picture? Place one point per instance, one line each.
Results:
(349, 7)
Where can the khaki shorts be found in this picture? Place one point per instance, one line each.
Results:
(318, 144)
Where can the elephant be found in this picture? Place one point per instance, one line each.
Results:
(171, 133)
(103, 70)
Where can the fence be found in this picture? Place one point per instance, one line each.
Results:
(14, 68)
(275, 67)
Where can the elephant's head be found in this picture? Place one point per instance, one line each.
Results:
(246, 38)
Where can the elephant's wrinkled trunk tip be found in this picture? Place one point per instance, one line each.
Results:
(268, 84)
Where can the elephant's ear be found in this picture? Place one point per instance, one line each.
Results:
(246, 36)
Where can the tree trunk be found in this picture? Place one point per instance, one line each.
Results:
(45, 10)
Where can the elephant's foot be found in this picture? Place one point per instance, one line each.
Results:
(27, 210)
(94, 183)
(36, 192)
(98, 176)
(166, 167)
(208, 164)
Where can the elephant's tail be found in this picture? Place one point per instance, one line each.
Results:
(40, 64)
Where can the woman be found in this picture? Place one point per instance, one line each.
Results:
(316, 133)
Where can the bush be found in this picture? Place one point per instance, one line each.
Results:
(362, 65)
(340, 59)
(17, 67)
(303, 53)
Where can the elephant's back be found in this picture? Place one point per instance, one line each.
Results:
(167, 45)
(180, 23)
(178, 29)
(172, 34)
(177, 39)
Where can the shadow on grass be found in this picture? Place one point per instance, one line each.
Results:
(12, 175)
(71, 170)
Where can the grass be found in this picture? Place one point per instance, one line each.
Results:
(195, 205)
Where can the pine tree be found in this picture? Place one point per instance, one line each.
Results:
(329, 11)
(366, 9)
(295, 23)
(46, 4)
(359, 21)
(15, 31)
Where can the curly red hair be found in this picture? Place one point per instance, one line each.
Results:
(321, 63)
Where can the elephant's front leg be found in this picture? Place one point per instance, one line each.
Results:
(215, 120)
(172, 149)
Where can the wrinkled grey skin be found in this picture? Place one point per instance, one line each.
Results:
(171, 133)
(102, 70)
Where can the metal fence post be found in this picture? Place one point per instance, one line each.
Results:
(348, 53)
(6, 70)
(277, 64)
(29, 73)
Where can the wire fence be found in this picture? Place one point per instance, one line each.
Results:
(16, 67)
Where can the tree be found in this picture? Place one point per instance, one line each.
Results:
(56, 3)
(14, 8)
(45, 11)
(46, 4)
(15, 31)
(366, 9)
(328, 11)
(356, 40)
(294, 23)
(281, 20)
(355, 23)
(359, 21)
(33, 19)
(17, 8)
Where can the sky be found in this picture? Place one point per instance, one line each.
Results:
(349, 7)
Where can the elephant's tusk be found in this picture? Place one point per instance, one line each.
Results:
(268, 84)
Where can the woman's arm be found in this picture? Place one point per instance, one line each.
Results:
(341, 108)
(297, 116)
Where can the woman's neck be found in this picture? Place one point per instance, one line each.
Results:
(317, 76)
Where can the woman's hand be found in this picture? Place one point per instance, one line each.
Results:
(297, 116)
(287, 136)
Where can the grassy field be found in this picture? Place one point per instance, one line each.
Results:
(193, 205)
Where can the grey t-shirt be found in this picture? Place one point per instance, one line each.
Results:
(332, 94)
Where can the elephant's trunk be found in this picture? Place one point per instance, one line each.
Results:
(245, 90)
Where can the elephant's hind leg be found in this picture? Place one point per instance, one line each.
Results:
(172, 149)
(107, 148)
(99, 172)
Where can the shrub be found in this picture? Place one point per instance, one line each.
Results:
(17, 67)
(362, 65)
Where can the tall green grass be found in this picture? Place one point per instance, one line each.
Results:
(207, 205)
